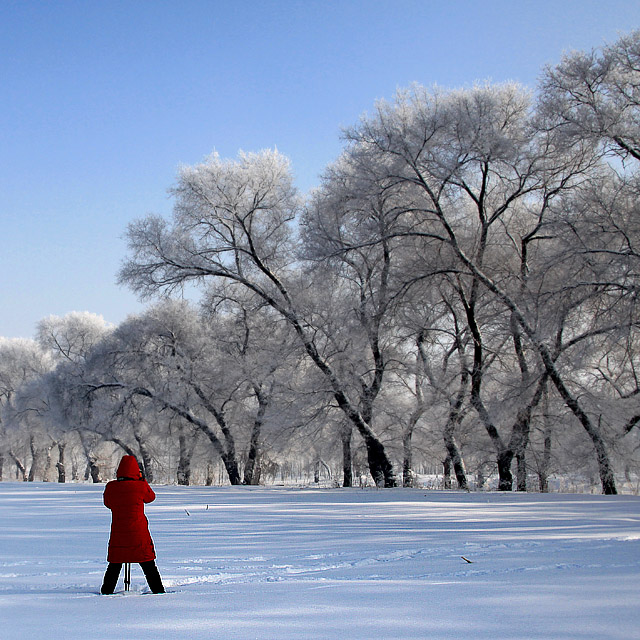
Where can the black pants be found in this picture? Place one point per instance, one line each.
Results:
(151, 573)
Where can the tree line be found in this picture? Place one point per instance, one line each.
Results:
(460, 291)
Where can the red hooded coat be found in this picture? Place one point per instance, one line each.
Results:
(130, 540)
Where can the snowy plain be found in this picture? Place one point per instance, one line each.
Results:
(348, 564)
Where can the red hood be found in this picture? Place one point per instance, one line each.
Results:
(128, 468)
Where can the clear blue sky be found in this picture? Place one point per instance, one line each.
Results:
(103, 99)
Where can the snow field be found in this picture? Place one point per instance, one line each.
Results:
(281, 564)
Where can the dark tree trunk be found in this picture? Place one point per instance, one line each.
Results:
(250, 475)
(60, 466)
(379, 464)
(93, 470)
(455, 457)
(521, 473)
(504, 455)
(446, 472)
(543, 472)
(146, 457)
(347, 456)
(480, 479)
(183, 473)
(607, 478)
(505, 479)
(251, 467)
(407, 459)
(231, 465)
(21, 470)
(227, 451)
(47, 466)
(35, 455)
(95, 473)
(185, 452)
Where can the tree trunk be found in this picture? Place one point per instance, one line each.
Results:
(408, 475)
(250, 475)
(93, 470)
(480, 479)
(521, 431)
(545, 463)
(186, 447)
(251, 467)
(62, 475)
(183, 473)
(607, 478)
(543, 471)
(146, 457)
(455, 456)
(379, 464)
(47, 466)
(521, 472)
(227, 451)
(455, 418)
(257, 473)
(35, 454)
(446, 473)
(407, 459)
(505, 478)
(21, 470)
(347, 456)
(231, 465)
(504, 455)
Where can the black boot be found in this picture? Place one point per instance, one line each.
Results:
(111, 578)
(152, 575)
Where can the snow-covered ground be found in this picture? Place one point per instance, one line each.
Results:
(276, 563)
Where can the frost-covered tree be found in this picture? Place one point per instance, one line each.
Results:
(71, 337)
(232, 223)
(158, 362)
(174, 369)
(594, 96)
(22, 362)
(356, 319)
(69, 340)
(436, 370)
(476, 182)
(258, 345)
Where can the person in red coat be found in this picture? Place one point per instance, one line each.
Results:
(130, 540)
